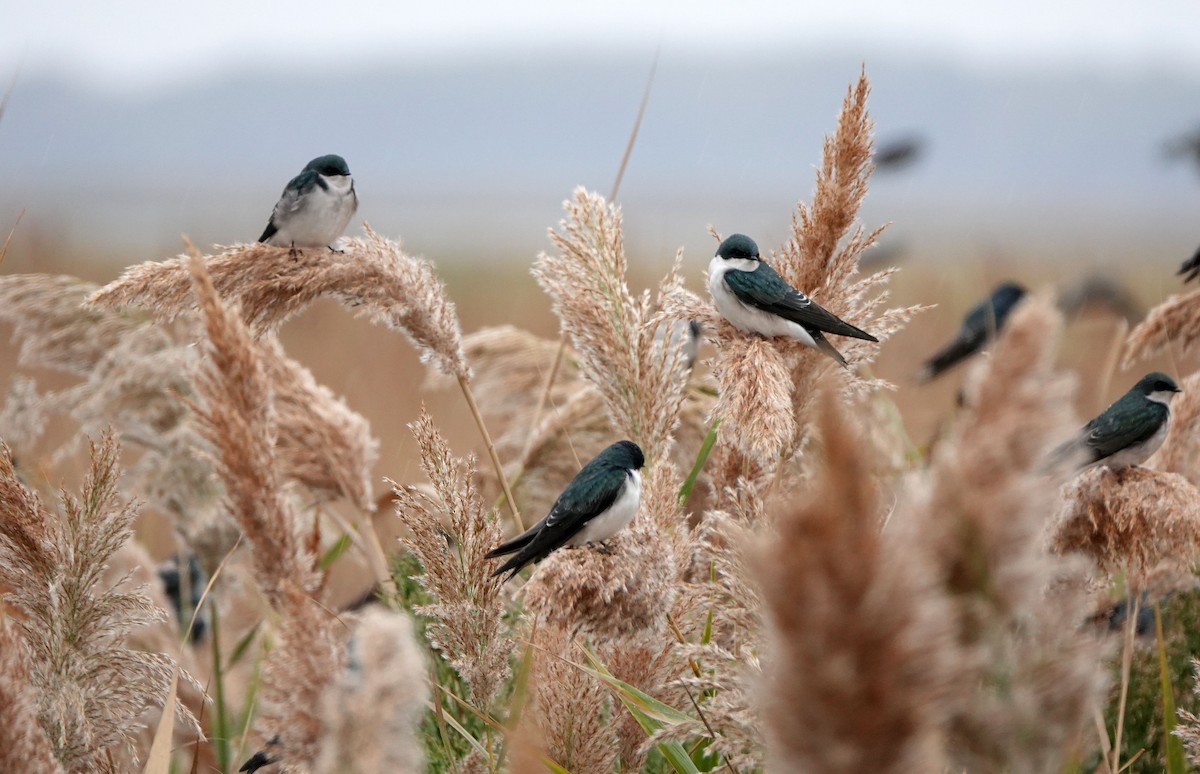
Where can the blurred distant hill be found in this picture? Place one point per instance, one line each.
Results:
(472, 158)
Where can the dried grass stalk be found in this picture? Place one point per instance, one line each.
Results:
(373, 712)
(1130, 520)
(236, 415)
(372, 275)
(322, 443)
(298, 674)
(850, 626)
(24, 745)
(1174, 321)
(451, 533)
(1188, 729)
(54, 328)
(569, 707)
(625, 590)
(90, 687)
(1026, 684)
(639, 375)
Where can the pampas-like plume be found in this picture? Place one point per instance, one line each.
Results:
(236, 414)
(372, 712)
(850, 625)
(91, 689)
(569, 707)
(55, 332)
(625, 590)
(373, 275)
(1028, 675)
(450, 534)
(1174, 321)
(1188, 729)
(811, 260)
(24, 745)
(1130, 520)
(612, 331)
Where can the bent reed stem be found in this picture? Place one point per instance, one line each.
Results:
(491, 447)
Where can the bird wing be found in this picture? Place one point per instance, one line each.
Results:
(290, 201)
(1129, 421)
(590, 493)
(1191, 267)
(765, 289)
(970, 339)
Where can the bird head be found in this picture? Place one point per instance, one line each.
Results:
(1158, 387)
(329, 166)
(738, 247)
(624, 454)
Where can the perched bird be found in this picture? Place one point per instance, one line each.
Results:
(172, 580)
(601, 499)
(1130, 430)
(982, 323)
(315, 206)
(1191, 267)
(754, 298)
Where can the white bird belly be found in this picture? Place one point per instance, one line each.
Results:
(321, 219)
(743, 316)
(614, 519)
(1139, 453)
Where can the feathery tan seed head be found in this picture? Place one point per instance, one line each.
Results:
(450, 533)
(1175, 321)
(852, 623)
(1130, 520)
(372, 275)
(373, 711)
(608, 593)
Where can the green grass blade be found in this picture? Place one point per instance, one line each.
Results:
(1172, 743)
(239, 650)
(710, 440)
(335, 551)
(650, 713)
(220, 722)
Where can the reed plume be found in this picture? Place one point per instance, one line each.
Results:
(373, 711)
(1130, 521)
(1174, 321)
(450, 534)
(236, 414)
(1027, 675)
(851, 624)
(23, 742)
(614, 333)
(372, 275)
(90, 687)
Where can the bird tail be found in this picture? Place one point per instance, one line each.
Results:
(954, 353)
(822, 344)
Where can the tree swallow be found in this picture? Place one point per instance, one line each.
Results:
(599, 501)
(315, 206)
(1191, 267)
(982, 324)
(172, 580)
(754, 298)
(1130, 430)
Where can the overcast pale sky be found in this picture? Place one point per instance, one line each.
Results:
(143, 43)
